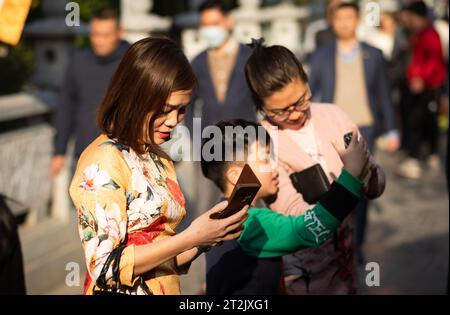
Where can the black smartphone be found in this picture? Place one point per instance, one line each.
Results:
(347, 139)
(243, 194)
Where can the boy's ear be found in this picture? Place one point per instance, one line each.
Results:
(232, 174)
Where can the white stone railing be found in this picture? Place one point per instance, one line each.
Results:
(26, 147)
(138, 22)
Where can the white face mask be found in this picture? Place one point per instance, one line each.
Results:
(215, 36)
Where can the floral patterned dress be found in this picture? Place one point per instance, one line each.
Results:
(122, 198)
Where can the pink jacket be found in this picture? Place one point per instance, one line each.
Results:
(329, 269)
(330, 123)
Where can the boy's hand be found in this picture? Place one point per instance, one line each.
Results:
(356, 157)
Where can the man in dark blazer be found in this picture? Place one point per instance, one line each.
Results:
(354, 76)
(87, 79)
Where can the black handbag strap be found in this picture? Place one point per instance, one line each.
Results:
(114, 259)
(116, 265)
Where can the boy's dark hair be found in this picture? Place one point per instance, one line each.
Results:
(214, 4)
(215, 169)
(347, 5)
(106, 13)
(270, 69)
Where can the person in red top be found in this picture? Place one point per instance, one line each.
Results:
(425, 77)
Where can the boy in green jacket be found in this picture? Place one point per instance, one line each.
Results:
(252, 263)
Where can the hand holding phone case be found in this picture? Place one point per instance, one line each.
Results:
(312, 183)
(376, 184)
(243, 194)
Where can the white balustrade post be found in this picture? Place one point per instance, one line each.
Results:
(138, 22)
(285, 28)
(248, 20)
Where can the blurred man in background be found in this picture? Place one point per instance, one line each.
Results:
(426, 75)
(86, 81)
(353, 75)
(320, 32)
(328, 35)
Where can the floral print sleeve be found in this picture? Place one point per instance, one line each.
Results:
(98, 191)
(126, 199)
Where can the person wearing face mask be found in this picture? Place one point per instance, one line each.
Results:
(222, 92)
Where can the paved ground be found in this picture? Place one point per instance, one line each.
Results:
(408, 234)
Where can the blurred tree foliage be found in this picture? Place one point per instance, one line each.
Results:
(16, 64)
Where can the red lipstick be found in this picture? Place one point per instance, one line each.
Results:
(164, 135)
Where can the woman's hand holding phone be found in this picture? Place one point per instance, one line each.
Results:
(209, 232)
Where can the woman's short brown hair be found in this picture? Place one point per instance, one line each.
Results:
(150, 71)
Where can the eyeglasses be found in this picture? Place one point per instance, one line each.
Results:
(283, 114)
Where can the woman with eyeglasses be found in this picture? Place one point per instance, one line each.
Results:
(305, 133)
(125, 188)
